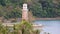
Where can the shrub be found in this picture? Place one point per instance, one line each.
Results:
(22, 28)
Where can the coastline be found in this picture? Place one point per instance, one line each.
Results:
(47, 18)
(31, 19)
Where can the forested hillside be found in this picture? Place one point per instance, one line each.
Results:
(39, 8)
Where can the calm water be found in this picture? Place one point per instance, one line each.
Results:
(51, 26)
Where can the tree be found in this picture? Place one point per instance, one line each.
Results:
(2, 2)
(39, 8)
(14, 13)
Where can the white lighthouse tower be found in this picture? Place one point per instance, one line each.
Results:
(25, 12)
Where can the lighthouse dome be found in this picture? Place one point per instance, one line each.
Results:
(24, 6)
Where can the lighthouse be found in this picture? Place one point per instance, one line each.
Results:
(25, 12)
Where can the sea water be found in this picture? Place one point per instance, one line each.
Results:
(50, 26)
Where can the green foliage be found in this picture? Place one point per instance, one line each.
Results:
(26, 28)
(13, 14)
(22, 28)
(2, 2)
(3, 29)
(39, 8)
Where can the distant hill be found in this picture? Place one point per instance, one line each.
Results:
(39, 8)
